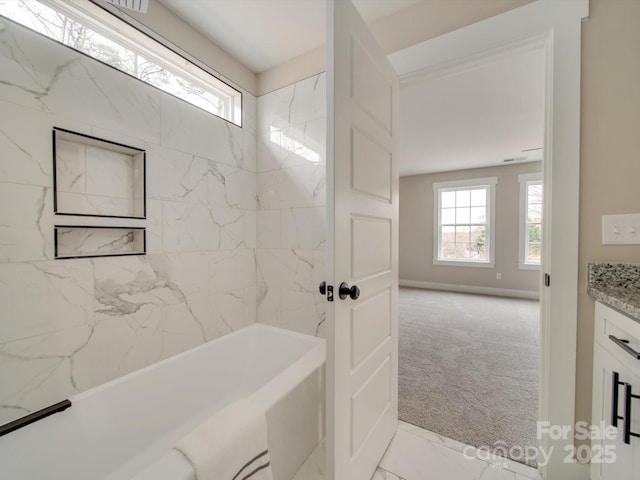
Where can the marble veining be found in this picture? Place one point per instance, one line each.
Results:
(291, 207)
(417, 454)
(616, 285)
(88, 241)
(72, 324)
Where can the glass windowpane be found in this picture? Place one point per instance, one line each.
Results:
(534, 213)
(535, 233)
(448, 250)
(448, 199)
(463, 198)
(479, 197)
(448, 234)
(462, 215)
(478, 214)
(448, 216)
(533, 255)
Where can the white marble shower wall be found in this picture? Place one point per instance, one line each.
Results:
(292, 206)
(68, 325)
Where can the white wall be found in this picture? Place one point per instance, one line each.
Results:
(68, 325)
(291, 228)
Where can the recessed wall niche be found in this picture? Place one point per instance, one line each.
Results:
(73, 241)
(96, 177)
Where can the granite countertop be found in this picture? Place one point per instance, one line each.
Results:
(616, 285)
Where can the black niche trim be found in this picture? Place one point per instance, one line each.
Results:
(55, 242)
(109, 142)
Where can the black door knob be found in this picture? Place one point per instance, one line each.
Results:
(323, 288)
(347, 291)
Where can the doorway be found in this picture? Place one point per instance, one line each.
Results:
(470, 224)
(556, 29)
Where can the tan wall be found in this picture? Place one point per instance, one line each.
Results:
(416, 231)
(610, 154)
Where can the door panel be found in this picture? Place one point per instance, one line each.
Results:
(370, 325)
(362, 245)
(370, 246)
(371, 166)
(369, 403)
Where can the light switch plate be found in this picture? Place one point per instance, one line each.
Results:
(621, 229)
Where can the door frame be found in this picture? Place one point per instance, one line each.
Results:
(555, 27)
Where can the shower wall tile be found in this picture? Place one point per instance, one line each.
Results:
(250, 228)
(250, 113)
(69, 325)
(268, 228)
(292, 105)
(154, 226)
(195, 131)
(234, 270)
(292, 270)
(231, 223)
(119, 344)
(303, 228)
(231, 186)
(300, 186)
(292, 146)
(291, 215)
(188, 228)
(37, 371)
(26, 222)
(41, 75)
(88, 89)
(43, 297)
(20, 51)
(250, 160)
(176, 176)
(26, 152)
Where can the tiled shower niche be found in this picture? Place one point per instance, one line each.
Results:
(96, 177)
(79, 242)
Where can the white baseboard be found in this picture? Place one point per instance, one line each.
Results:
(499, 292)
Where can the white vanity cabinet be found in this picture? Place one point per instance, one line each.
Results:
(616, 396)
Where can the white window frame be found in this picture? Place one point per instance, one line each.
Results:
(490, 184)
(112, 26)
(525, 180)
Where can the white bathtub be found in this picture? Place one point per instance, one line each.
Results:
(126, 428)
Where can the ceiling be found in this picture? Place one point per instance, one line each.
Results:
(473, 118)
(264, 33)
(449, 120)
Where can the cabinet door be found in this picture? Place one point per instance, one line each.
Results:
(626, 464)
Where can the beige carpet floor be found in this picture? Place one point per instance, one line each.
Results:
(468, 368)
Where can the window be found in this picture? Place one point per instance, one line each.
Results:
(464, 230)
(530, 220)
(95, 32)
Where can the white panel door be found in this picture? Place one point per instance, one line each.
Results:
(362, 243)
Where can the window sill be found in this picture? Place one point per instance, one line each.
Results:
(529, 266)
(462, 263)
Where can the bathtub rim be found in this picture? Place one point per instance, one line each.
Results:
(319, 343)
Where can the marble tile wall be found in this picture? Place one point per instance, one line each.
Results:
(291, 215)
(69, 325)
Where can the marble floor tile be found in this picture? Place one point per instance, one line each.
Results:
(314, 466)
(507, 464)
(417, 454)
